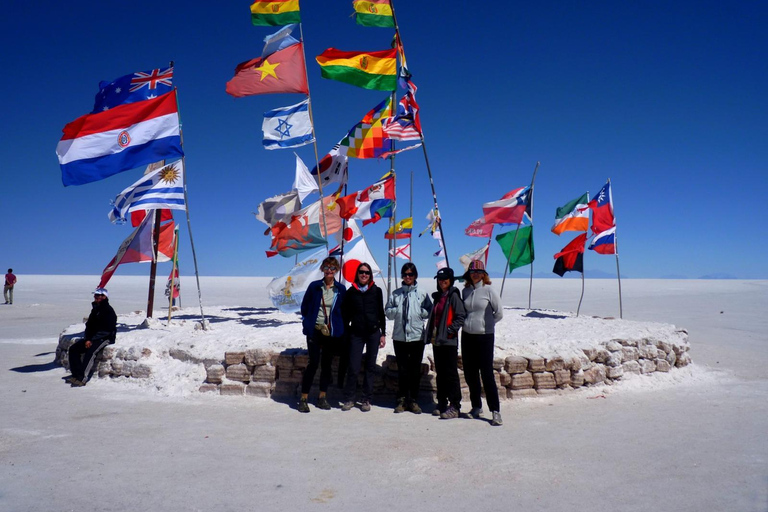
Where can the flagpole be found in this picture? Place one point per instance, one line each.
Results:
(509, 258)
(153, 265)
(423, 147)
(530, 284)
(203, 322)
(410, 235)
(173, 271)
(391, 258)
(616, 251)
(578, 308)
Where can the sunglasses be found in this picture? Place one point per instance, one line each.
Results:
(328, 269)
(408, 274)
(364, 272)
(477, 271)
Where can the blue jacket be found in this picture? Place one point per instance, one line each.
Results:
(310, 307)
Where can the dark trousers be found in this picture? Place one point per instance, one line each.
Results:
(409, 356)
(447, 369)
(321, 351)
(81, 359)
(477, 355)
(369, 342)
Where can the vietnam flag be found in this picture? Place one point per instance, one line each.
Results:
(571, 257)
(282, 71)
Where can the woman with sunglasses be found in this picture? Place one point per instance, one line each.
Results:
(323, 326)
(408, 307)
(364, 322)
(484, 311)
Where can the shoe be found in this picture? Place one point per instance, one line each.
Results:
(450, 413)
(436, 411)
(496, 421)
(346, 406)
(303, 405)
(400, 406)
(476, 413)
(69, 379)
(414, 408)
(365, 406)
(76, 383)
(322, 403)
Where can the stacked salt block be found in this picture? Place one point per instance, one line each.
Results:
(112, 361)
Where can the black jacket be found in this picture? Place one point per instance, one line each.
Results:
(102, 320)
(363, 312)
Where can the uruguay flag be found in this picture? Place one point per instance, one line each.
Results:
(287, 127)
(96, 146)
(605, 242)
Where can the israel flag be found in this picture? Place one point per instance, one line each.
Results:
(287, 127)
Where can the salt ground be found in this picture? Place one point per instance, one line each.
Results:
(690, 440)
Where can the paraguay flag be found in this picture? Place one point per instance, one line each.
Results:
(96, 146)
(605, 242)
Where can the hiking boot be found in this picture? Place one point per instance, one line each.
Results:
(450, 413)
(322, 403)
(496, 421)
(348, 405)
(76, 383)
(303, 405)
(414, 408)
(365, 406)
(400, 406)
(69, 379)
(436, 411)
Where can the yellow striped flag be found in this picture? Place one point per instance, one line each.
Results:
(275, 12)
(373, 13)
(369, 70)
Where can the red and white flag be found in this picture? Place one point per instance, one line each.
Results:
(401, 251)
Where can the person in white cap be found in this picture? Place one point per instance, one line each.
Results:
(100, 331)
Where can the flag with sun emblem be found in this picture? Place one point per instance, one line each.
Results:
(163, 188)
(287, 127)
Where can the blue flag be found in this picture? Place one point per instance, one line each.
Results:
(139, 86)
(287, 127)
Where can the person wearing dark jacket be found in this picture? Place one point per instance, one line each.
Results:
(323, 326)
(100, 331)
(443, 333)
(363, 313)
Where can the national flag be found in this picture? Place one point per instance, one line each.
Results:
(304, 183)
(96, 146)
(173, 283)
(573, 216)
(304, 229)
(138, 248)
(405, 124)
(605, 242)
(333, 167)
(352, 258)
(522, 253)
(398, 151)
(404, 76)
(480, 254)
(287, 292)
(509, 209)
(275, 12)
(160, 189)
(367, 138)
(602, 210)
(279, 40)
(287, 127)
(401, 251)
(369, 70)
(400, 230)
(282, 71)
(479, 228)
(373, 13)
(276, 207)
(370, 204)
(139, 86)
(138, 216)
(571, 257)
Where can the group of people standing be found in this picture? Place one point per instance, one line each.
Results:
(345, 322)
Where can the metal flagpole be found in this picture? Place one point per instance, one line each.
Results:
(203, 322)
(578, 308)
(530, 284)
(509, 258)
(616, 251)
(173, 270)
(410, 234)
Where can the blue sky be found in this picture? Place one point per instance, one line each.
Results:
(667, 100)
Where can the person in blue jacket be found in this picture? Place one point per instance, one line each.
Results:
(323, 326)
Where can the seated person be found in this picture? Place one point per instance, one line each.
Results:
(100, 331)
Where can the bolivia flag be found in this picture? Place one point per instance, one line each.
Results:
(369, 70)
(275, 12)
(571, 257)
(373, 13)
(573, 216)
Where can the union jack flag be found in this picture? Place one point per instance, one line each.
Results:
(151, 79)
(131, 88)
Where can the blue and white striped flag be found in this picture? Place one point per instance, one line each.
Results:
(163, 188)
(287, 127)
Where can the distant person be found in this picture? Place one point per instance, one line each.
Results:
(408, 306)
(324, 328)
(443, 333)
(100, 331)
(364, 321)
(10, 281)
(484, 310)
